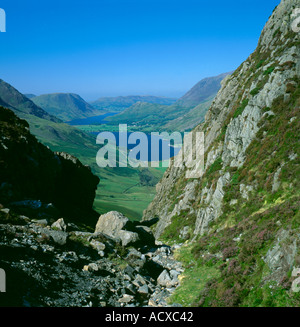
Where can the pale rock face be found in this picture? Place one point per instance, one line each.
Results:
(213, 208)
(276, 181)
(212, 156)
(239, 135)
(128, 237)
(188, 198)
(245, 190)
(281, 257)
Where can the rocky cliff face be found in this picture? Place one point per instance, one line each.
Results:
(241, 106)
(32, 177)
(251, 153)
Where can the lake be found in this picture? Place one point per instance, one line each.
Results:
(94, 120)
(162, 150)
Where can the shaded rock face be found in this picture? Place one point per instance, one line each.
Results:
(76, 186)
(32, 176)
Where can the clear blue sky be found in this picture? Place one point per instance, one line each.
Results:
(121, 47)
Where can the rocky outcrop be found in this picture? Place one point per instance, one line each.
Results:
(38, 181)
(280, 258)
(116, 225)
(111, 223)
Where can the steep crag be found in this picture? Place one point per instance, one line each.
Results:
(249, 191)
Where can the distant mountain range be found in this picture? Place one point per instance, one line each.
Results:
(69, 106)
(141, 110)
(116, 104)
(185, 113)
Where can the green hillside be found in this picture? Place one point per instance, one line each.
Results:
(66, 106)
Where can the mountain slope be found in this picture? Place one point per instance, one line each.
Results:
(143, 114)
(30, 95)
(241, 218)
(202, 91)
(192, 118)
(66, 106)
(116, 104)
(20, 103)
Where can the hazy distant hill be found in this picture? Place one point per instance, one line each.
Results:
(122, 102)
(202, 91)
(184, 114)
(30, 95)
(66, 106)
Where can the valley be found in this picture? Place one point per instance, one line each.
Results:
(222, 232)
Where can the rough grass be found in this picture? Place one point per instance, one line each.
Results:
(194, 277)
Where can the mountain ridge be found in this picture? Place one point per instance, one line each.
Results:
(21, 104)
